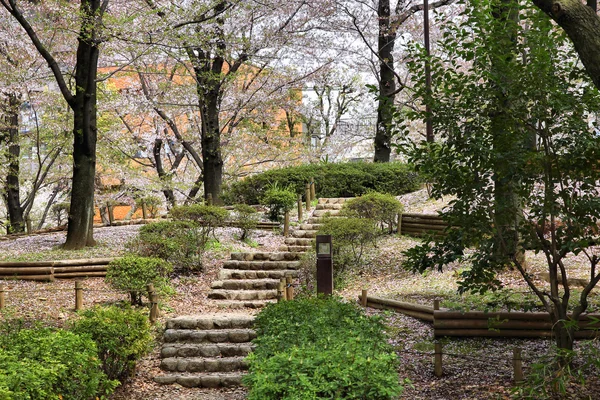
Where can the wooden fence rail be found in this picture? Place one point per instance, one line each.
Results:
(51, 270)
(484, 324)
(413, 224)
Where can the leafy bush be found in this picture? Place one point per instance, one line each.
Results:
(133, 273)
(279, 200)
(331, 180)
(320, 349)
(178, 242)
(152, 205)
(122, 336)
(380, 207)
(60, 211)
(246, 218)
(207, 218)
(44, 364)
(350, 237)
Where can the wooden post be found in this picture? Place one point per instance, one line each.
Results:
(517, 365)
(153, 303)
(281, 290)
(286, 224)
(299, 208)
(78, 295)
(436, 305)
(363, 299)
(289, 288)
(307, 196)
(399, 223)
(438, 359)
(144, 210)
(1, 296)
(111, 217)
(209, 199)
(313, 194)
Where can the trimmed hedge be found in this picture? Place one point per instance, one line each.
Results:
(331, 180)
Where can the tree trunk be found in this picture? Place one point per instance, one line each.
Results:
(582, 25)
(387, 84)
(162, 175)
(211, 148)
(12, 186)
(81, 213)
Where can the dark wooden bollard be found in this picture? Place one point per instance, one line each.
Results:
(438, 360)
(78, 295)
(517, 365)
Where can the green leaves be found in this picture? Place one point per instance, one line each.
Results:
(321, 349)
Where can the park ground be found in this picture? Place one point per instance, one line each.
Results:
(474, 368)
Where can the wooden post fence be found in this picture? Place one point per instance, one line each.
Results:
(307, 196)
(1, 296)
(144, 210)
(289, 289)
(286, 224)
(517, 365)
(363, 299)
(152, 296)
(438, 359)
(299, 208)
(78, 295)
(313, 193)
(281, 290)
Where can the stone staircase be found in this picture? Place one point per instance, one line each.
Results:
(251, 279)
(206, 351)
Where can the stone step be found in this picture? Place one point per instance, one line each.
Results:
(226, 274)
(170, 350)
(263, 265)
(334, 200)
(203, 364)
(270, 256)
(329, 206)
(206, 380)
(309, 227)
(243, 304)
(216, 321)
(322, 213)
(223, 294)
(246, 284)
(297, 249)
(208, 336)
(292, 241)
(304, 234)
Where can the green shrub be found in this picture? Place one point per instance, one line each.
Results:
(152, 205)
(331, 180)
(45, 364)
(279, 200)
(133, 273)
(351, 237)
(380, 207)
(178, 242)
(60, 211)
(320, 349)
(207, 218)
(122, 336)
(246, 218)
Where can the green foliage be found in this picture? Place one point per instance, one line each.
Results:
(561, 373)
(178, 242)
(122, 336)
(133, 273)
(206, 217)
(246, 218)
(351, 237)
(279, 200)
(331, 180)
(321, 349)
(514, 112)
(44, 364)
(380, 207)
(152, 205)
